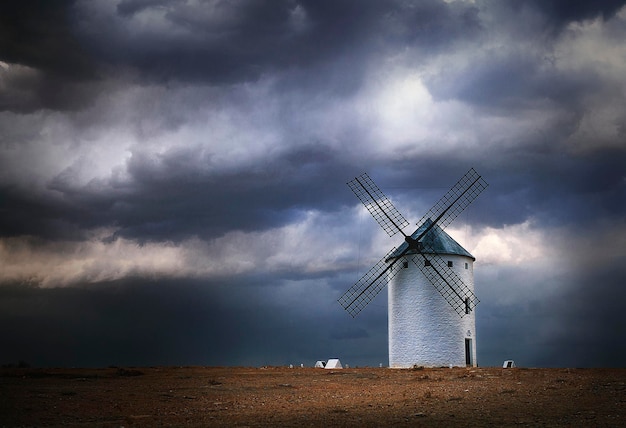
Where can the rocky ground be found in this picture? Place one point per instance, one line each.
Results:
(272, 396)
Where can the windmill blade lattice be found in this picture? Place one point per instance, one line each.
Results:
(446, 282)
(378, 204)
(455, 201)
(442, 277)
(365, 289)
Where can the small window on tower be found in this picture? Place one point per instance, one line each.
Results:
(466, 265)
(449, 263)
(426, 262)
(405, 264)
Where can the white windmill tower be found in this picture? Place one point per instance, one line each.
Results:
(424, 329)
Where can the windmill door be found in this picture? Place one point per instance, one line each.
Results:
(468, 352)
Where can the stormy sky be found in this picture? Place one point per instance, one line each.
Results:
(172, 174)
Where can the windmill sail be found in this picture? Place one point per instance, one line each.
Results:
(360, 294)
(446, 282)
(455, 201)
(378, 204)
(427, 259)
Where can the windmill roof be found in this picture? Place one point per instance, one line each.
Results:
(437, 241)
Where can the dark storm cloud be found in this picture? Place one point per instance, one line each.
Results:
(176, 196)
(228, 42)
(69, 49)
(181, 322)
(255, 198)
(130, 7)
(38, 34)
(67, 45)
(578, 327)
(515, 81)
(536, 181)
(241, 322)
(75, 325)
(432, 25)
(171, 198)
(592, 320)
(561, 12)
(52, 70)
(557, 189)
(257, 37)
(39, 216)
(28, 89)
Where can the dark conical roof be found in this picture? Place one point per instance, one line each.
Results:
(436, 240)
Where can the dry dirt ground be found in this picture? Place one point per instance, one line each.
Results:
(275, 396)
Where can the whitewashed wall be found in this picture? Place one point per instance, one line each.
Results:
(424, 330)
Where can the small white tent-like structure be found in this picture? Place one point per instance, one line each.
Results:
(333, 363)
(320, 364)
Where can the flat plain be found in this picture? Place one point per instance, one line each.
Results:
(290, 397)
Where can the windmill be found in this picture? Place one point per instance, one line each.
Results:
(430, 278)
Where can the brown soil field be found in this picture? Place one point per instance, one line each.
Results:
(279, 397)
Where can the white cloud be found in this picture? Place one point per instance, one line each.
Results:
(30, 260)
(511, 245)
(520, 265)
(315, 245)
